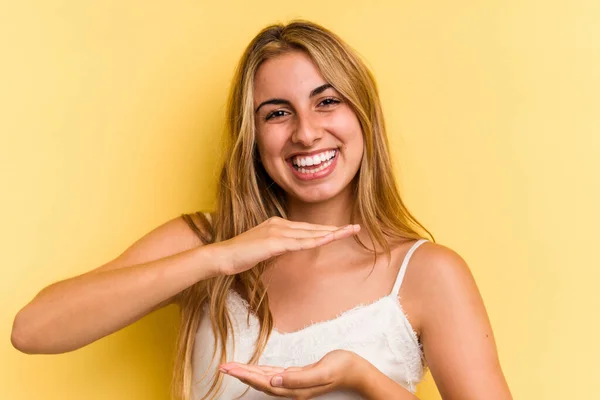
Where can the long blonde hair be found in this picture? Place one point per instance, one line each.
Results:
(247, 196)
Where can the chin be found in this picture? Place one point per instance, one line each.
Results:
(315, 194)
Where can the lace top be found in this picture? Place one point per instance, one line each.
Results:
(379, 332)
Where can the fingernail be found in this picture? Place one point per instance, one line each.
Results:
(277, 381)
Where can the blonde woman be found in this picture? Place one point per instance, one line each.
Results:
(311, 279)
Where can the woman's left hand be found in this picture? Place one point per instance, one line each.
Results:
(335, 371)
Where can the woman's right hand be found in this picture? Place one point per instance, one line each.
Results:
(274, 237)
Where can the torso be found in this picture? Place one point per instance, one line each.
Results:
(301, 294)
(346, 304)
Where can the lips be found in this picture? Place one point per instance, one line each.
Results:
(308, 173)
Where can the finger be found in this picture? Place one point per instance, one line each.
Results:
(307, 366)
(263, 383)
(256, 380)
(309, 226)
(271, 369)
(346, 231)
(265, 370)
(308, 243)
(307, 378)
(305, 233)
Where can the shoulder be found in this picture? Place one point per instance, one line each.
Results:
(436, 275)
(177, 234)
(170, 237)
(435, 265)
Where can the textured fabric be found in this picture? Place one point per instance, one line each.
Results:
(378, 332)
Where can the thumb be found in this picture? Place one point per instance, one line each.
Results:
(306, 378)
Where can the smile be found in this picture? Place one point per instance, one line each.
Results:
(314, 166)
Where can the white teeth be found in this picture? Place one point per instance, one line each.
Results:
(313, 160)
(315, 170)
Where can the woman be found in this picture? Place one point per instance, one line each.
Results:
(292, 287)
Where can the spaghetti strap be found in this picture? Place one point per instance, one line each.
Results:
(402, 271)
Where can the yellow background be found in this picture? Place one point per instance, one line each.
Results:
(110, 119)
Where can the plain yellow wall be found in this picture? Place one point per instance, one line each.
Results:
(110, 119)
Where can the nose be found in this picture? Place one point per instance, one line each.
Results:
(306, 132)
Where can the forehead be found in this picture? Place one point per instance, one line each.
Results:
(291, 75)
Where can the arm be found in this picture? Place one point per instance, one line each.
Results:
(456, 334)
(75, 312)
(150, 274)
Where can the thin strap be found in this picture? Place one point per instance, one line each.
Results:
(402, 271)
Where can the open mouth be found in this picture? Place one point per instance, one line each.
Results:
(314, 164)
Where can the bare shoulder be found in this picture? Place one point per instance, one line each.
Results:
(435, 274)
(434, 265)
(171, 237)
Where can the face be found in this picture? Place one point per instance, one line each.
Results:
(309, 139)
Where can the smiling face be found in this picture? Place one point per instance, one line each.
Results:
(309, 139)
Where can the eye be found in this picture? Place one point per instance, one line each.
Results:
(275, 114)
(329, 101)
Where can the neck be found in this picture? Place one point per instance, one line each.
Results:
(334, 211)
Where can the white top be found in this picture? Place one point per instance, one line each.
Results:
(379, 332)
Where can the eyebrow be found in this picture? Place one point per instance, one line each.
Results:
(313, 93)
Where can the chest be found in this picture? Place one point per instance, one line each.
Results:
(301, 294)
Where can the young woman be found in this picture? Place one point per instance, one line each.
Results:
(311, 279)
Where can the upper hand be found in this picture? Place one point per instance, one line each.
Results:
(274, 237)
(335, 371)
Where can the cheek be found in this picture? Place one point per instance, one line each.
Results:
(270, 146)
(265, 147)
(350, 131)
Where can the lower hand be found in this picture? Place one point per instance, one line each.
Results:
(335, 371)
